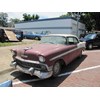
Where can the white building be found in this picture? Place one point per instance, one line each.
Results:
(54, 25)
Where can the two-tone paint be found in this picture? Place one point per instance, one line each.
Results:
(51, 52)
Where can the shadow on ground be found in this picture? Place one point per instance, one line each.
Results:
(50, 82)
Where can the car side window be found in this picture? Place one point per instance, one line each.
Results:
(98, 37)
(72, 41)
(76, 41)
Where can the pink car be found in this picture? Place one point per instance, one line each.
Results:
(47, 58)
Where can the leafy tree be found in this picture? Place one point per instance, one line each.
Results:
(3, 19)
(33, 16)
(25, 17)
(96, 17)
(36, 16)
(28, 17)
(12, 22)
(15, 20)
(69, 14)
(85, 17)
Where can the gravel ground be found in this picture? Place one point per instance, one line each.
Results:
(5, 54)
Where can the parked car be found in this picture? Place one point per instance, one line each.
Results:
(33, 35)
(92, 39)
(19, 34)
(29, 35)
(47, 58)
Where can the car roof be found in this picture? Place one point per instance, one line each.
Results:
(64, 35)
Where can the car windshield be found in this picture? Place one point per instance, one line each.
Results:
(53, 39)
(90, 36)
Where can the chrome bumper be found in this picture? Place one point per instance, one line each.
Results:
(32, 71)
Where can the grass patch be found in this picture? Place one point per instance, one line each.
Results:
(6, 44)
(17, 43)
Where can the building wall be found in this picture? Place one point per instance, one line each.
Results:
(81, 27)
(54, 25)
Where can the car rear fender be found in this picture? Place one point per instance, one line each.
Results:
(81, 45)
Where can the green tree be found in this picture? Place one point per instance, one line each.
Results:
(36, 17)
(33, 16)
(25, 17)
(12, 22)
(85, 17)
(69, 14)
(96, 17)
(15, 20)
(3, 19)
(28, 17)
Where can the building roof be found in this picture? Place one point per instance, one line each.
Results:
(47, 19)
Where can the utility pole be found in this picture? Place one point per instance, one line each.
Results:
(77, 15)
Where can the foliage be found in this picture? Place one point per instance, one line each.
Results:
(89, 22)
(3, 19)
(12, 22)
(15, 20)
(90, 19)
(69, 14)
(37, 16)
(96, 17)
(28, 17)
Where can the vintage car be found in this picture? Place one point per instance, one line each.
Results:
(47, 58)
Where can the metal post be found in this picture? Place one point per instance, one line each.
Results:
(77, 24)
(77, 17)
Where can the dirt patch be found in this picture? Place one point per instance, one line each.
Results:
(6, 56)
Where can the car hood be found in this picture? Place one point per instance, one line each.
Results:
(46, 50)
(84, 39)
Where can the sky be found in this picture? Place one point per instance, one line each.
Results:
(42, 15)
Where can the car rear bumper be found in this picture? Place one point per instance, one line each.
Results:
(32, 71)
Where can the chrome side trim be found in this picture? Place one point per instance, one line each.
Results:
(63, 54)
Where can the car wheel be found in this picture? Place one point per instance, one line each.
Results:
(2, 40)
(56, 69)
(37, 38)
(19, 39)
(90, 46)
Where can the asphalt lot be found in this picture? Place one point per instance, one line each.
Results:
(82, 72)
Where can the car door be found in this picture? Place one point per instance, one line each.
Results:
(72, 41)
(96, 41)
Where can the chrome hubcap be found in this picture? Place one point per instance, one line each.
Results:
(56, 68)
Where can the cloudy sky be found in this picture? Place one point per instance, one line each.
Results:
(41, 14)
